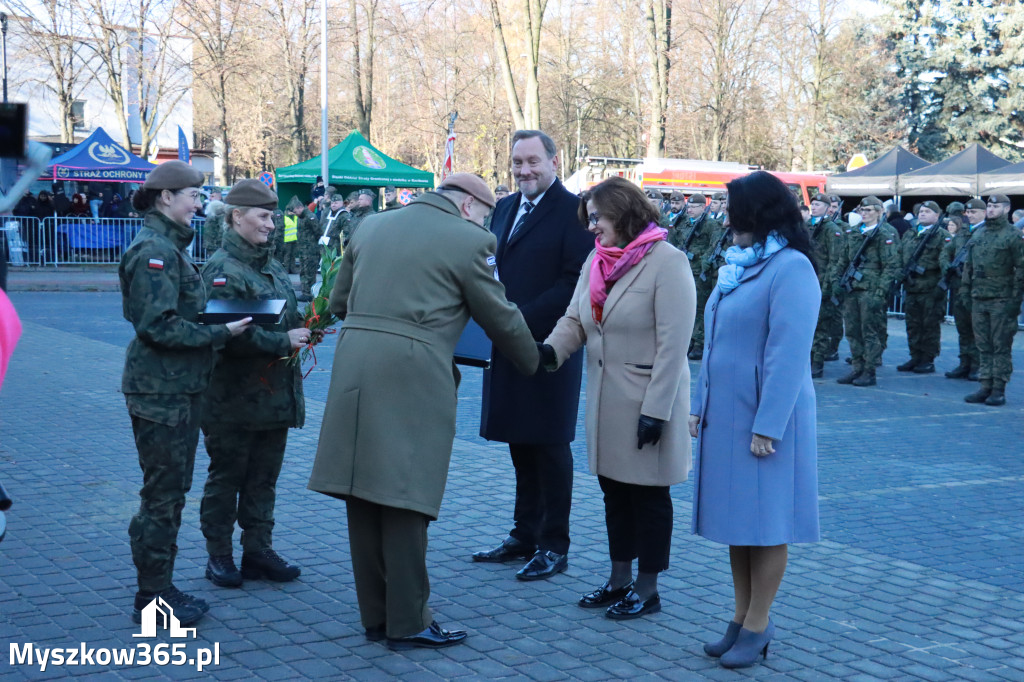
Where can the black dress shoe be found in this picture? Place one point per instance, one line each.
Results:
(509, 550)
(631, 606)
(376, 633)
(434, 637)
(544, 564)
(604, 595)
(222, 572)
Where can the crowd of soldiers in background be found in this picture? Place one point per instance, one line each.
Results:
(968, 257)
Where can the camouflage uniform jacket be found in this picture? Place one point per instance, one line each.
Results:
(358, 214)
(253, 387)
(213, 230)
(334, 230)
(995, 265)
(829, 240)
(880, 263)
(162, 296)
(711, 261)
(930, 259)
(952, 248)
(701, 242)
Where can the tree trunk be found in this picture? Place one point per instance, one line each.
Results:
(501, 51)
(658, 43)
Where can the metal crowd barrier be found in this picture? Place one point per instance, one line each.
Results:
(77, 241)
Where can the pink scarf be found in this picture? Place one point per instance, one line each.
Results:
(10, 330)
(611, 263)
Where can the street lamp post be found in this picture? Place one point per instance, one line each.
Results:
(3, 30)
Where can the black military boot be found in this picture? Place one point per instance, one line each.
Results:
(973, 376)
(268, 564)
(222, 572)
(832, 357)
(997, 397)
(849, 378)
(696, 354)
(960, 371)
(925, 367)
(187, 609)
(867, 378)
(979, 396)
(908, 366)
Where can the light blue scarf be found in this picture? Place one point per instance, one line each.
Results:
(737, 260)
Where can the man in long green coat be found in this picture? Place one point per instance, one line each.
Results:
(389, 422)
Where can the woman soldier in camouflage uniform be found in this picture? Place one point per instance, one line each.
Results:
(255, 396)
(166, 371)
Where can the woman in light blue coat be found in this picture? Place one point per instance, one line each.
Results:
(756, 480)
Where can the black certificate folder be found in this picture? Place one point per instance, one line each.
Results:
(261, 312)
(473, 348)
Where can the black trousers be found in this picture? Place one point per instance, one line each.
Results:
(639, 520)
(543, 495)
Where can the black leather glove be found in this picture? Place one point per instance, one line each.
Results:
(648, 430)
(548, 359)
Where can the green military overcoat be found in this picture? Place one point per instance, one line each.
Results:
(409, 282)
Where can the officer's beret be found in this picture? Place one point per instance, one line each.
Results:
(352, 196)
(173, 175)
(834, 198)
(653, 194)
(955, 207)
(471, 184)
(871, 201)
(975, 204)
(368, 192)
(389, 188)
(252, 192)
(999, 199)
(500, 188)
(719, 196)
(698, 198)
(821, 198)
(677, 196)
(931, 205)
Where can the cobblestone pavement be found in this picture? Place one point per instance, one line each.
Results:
(918, 575)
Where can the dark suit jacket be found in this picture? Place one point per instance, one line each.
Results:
(539, 267)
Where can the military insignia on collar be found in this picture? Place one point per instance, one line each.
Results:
(491, 261)
(220, 281)
(156, 264)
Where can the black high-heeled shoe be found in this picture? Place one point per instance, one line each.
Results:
(716, 649)
(749, 645)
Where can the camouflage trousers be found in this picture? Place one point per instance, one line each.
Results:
(864, 317)
(285, 254)
(965, 330)
(825, 341)
(166, 432)
(704, 290)
(924, 313)
(994, 327)
(309, 265)
(242, 487)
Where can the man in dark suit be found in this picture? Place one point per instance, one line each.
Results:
(541, 249)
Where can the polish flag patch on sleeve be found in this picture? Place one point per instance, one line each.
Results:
(220, 281)
(156, 264)
(888, 241)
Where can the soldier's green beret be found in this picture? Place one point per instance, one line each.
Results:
(999, 199)
(954, 207)
(389, 188)
(931, 205)
(871, 201)
(698, 198)
(677, 196)
(653, 194)
(821, 198)
(252, 192)
(500, 188)
(173, 175)
(352, 196)
(975, 204)
(718, 196)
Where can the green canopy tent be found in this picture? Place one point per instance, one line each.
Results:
(352, 164)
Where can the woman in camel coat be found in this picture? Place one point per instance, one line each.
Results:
(634, 308)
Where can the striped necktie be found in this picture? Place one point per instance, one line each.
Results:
(527, 207)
